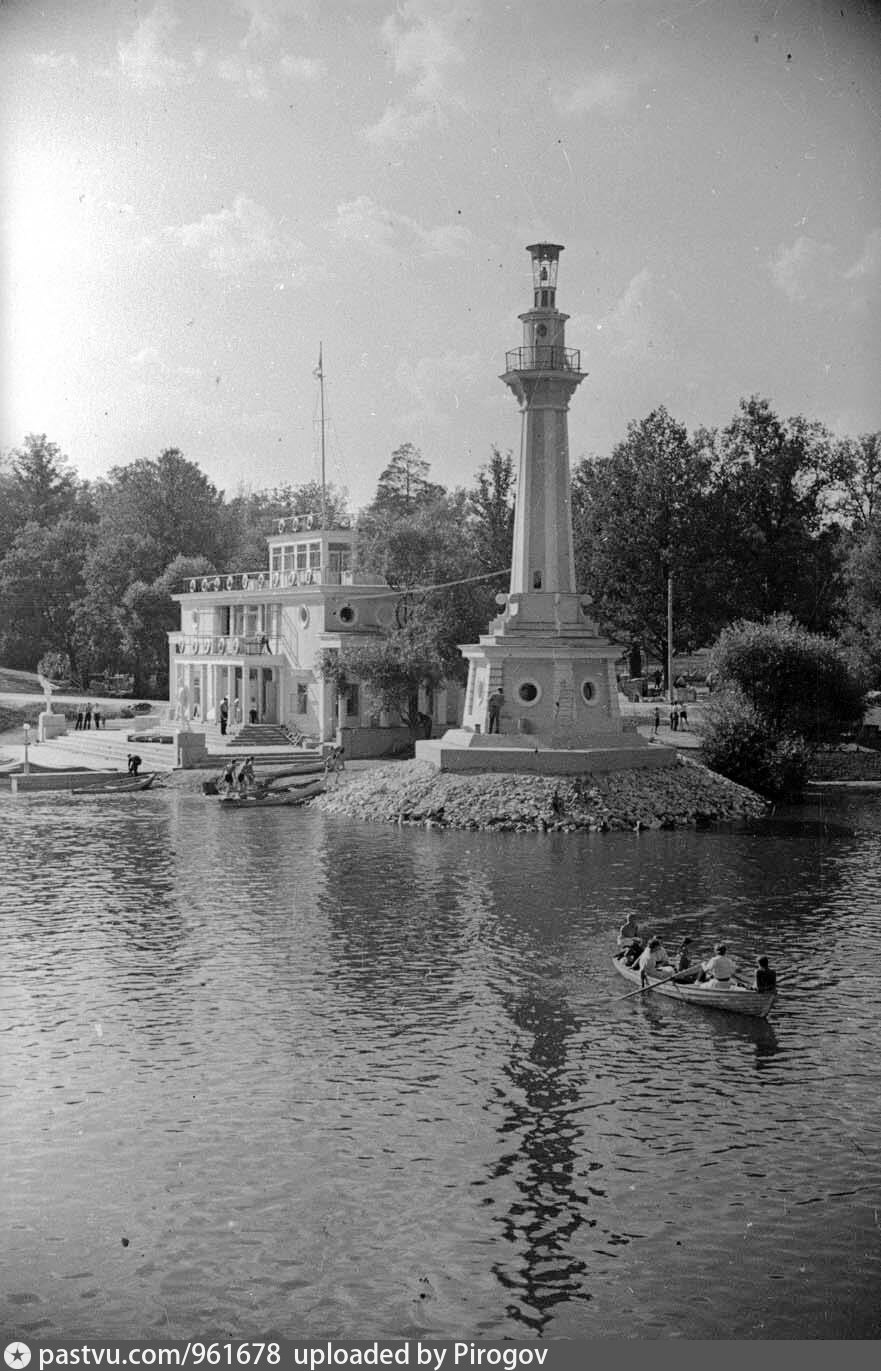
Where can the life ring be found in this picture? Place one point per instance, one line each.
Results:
(230, 582)
(193, 583)
(281, 525)
(206, 644)
(193, 645)
(261, 581)
(215, 584)
(292, 578)
(221, 645)
(235, 644)
(245, 583)
(310, 520)
(275, 578)
(308, 578)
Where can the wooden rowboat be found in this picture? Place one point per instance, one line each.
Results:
(756, 1004)
(117, 787)
(269, 799)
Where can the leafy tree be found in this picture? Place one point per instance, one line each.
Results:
(251, 514)
(776, 481)
(147, 614)
(796, 682)
(392, 668)
(42, 489)
(491, 509)
(858, 478)
(738, 744)
(404, 483)
(640, 517)
(862, 630)
(41, 579)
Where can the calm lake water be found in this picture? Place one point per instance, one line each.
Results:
(274, 1072)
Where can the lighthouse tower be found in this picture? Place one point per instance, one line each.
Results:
(544, 652)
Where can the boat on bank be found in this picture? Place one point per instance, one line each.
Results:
(756, 1004)
(117, 787)
(271, 798)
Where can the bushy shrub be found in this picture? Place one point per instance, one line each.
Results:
(738, 743)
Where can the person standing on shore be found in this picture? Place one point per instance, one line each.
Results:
(224, 715)
(87, 717)
(494, 703)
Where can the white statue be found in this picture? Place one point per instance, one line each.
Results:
(183, 701)
(47, 688)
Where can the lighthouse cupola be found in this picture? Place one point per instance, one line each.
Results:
(545, 260)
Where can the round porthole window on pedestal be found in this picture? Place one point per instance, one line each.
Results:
(529, 692)
(348, 614)
(303, 616)
(588, 692)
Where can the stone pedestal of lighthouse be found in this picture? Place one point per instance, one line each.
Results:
(544, 652)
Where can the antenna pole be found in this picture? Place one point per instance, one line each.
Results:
(323, 482)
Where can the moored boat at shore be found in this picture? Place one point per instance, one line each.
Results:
(756, 1004)
(271, 798)
(117, 787)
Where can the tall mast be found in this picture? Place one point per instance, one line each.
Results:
(320, 375)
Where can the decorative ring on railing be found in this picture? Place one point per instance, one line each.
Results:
(281, 525)
(215, 584)
(221, 645)
(308, 578)
(193, 645)
(310, 520)
(192, 583)
(206, 644)
(230, 582)
(204, 584)
(261, 581)
(245, 582)
(276, 577)
(292, 578)
(235, 644)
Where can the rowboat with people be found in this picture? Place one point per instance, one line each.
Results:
(683, 986)
(270, 797)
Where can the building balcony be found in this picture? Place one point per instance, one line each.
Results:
(543, 358)
(239, 582)
(307, 523)
(225, 644)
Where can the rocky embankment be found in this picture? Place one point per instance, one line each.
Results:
(415, 793)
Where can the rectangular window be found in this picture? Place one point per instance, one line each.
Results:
(288, 564)
(302, 698)
(353, 701)
(314, 556)
(301, 556)
(339, 556)
(275, 558)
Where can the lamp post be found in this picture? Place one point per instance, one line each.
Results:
(27, 738)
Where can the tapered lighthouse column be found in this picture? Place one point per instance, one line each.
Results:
(544, 375)
(543, 672)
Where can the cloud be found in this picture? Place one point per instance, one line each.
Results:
(804, 271)
(607, 92)
(249, 76)
(868, 265)
(435, 383)
(268, 18)
(385, 231)
(302, 68)
(144, 59)
(814, 273)
(421, 38)
(234, 241)
(628, 326)
(54, 60)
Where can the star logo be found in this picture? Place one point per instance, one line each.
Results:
(16, 1355)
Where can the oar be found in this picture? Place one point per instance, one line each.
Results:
(654, 985)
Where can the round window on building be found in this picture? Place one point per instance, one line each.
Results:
(348, 614)
(303, 616)
(528, 692)
(588, 692)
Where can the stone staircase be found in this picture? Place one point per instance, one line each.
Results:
(108, 751)
(259, 735)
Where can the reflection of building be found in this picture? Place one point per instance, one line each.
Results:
(543, 651)
(255, 637)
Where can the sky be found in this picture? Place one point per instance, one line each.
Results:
(197, 194)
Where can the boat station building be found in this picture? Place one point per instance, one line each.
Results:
(256, 636)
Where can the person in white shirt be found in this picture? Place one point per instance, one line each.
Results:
(653, 957)
(719, 970)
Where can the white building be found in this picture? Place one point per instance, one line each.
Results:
(255, 637)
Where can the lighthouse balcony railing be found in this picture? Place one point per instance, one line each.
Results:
(543, 357)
